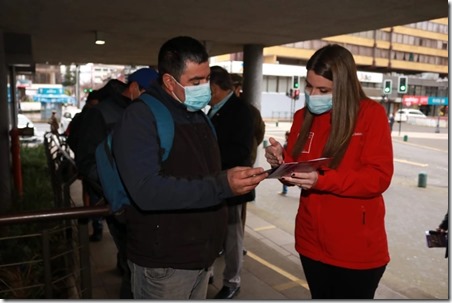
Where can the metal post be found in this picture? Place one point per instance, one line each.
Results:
(77, 85)
(47, 266)
(85, 265)
(422, 180)
(437, 123)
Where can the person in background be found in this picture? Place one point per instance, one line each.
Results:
(73, 129)
(391, 121)
(72, 133)
(444, 228)
(258, 130)
(284, 186)
(233, 124)
(54, 125)
(96, 124)
(340, 225)
(177, 220)
(237, 82)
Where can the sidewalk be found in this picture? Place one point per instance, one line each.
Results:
(271, 269)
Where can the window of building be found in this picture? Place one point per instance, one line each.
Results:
(272, 84)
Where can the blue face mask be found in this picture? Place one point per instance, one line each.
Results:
(319, 104)
(196, 96)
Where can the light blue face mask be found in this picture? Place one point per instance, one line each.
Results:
(196, 96)
(319, 104)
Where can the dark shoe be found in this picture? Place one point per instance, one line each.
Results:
(96, 236)
(227, 292)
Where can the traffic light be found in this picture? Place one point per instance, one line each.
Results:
(87, 90)
(296, 94)
(296, 82)
(387, 86)
(402, 86)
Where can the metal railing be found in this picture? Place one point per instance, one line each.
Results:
(281, 115)
(45, 253)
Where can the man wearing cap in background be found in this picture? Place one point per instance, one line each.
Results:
(97, 123)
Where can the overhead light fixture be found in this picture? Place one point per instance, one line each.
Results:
(99, 38)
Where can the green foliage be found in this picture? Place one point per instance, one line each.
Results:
(23, 243)
(38, 193)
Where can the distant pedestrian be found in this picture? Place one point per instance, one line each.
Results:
(284, 185)
(54, 125)
(391, 121)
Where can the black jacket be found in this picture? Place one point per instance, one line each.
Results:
(178, 216)
(234, 126)
(95, 125)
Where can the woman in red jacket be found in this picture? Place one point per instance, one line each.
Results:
(339, 231)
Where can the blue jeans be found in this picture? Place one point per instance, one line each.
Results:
(168, 283)
(284, 189)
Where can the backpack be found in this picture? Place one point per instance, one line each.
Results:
(112, 186)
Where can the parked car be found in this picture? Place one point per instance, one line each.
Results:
(406, 114)
(68, 113)
(27, 129)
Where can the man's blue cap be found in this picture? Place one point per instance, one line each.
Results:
(144, 77)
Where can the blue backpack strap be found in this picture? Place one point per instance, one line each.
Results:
(164, 120)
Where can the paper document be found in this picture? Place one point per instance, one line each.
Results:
(286, 169)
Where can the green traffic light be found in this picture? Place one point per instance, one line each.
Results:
(402, 88)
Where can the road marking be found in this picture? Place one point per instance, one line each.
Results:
(281, 271)
(265, 228)
(410, 162)
(422, 146)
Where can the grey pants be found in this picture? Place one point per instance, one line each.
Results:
(233, 247)
(168, 283)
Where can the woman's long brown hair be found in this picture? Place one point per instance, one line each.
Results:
(335, 63)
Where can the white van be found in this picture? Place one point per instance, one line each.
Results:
(403, 115)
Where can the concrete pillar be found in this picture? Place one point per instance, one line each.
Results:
(253, 60)
(5, 167)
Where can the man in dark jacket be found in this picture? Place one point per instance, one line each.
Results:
(95, 126)
(176, 222)
(233, 123)
(258, 129)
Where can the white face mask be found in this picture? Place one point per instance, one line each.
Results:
(196, 96)
(319, 104)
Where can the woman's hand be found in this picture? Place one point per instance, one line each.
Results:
(303, 180)
(274, 152)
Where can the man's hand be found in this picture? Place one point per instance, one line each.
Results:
(274, 153)
(242, 180)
